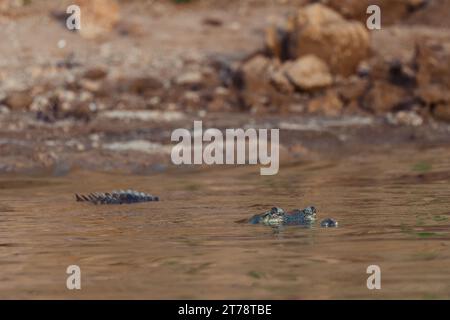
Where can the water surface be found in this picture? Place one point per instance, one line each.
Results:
(393, 209)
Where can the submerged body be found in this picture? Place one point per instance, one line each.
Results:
(277, 216)
(117, 197)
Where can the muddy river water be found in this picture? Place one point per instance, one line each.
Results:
(393, 211)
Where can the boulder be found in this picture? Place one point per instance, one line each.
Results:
(323, 32)
(435, 13)
(98, 17)
(433, 72)
(392, 11)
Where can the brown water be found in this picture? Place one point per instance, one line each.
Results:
(393, 209)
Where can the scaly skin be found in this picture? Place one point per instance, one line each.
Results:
(274, 216)
(277, 216)
(116, 197)
(328, 223)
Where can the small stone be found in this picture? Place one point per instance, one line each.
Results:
(90, 85)
(61, 44)
(192, 97)
(95, 74)
(18, 100)
(279, 79)
(212, 21)
(189, 78)
(309, 73)
(384, 97)
(256, 66)
(235, 26)
(221, 91)
(154, 101)
(329, 104)
(94, 137)
(4, 109)
(141, 85)
(409, 118)
(442, 112)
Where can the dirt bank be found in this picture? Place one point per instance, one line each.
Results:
(109, 97)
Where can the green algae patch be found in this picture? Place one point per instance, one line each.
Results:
(426, 234)
(256, 274)
(422, 167)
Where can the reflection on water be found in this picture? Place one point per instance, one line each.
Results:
(392, 212)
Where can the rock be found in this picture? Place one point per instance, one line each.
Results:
(18, 100)
(391, 11)
(384, 97)
(433, 74)
(435, 13)
(323, 32)
(329, 104)
(399, 42)
(140, 85)
(255, 69)
(90, 85)
(138, 146)
(213, 21)
(256, 82)
(279, 79)
(95, 73)
(191, 100)
(189, 79)
(12, 8)
(4, 109)
(98, 17)
(220, 100)
(143, 115)
(352, 90)
(442, 112)
(278, 40)
(80, 111)
(409, 118)
(130, 28)
(309, 73)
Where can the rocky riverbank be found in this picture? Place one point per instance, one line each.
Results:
(107, 98)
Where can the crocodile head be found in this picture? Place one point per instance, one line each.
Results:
(274, 216)
(309, 214)
(302, 217)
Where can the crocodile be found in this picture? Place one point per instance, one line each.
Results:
(328, 223)
(116, 197)
(277, 216)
